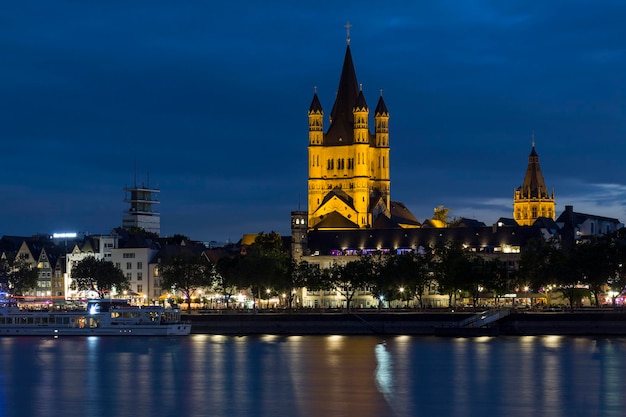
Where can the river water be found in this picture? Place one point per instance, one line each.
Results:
(312, 376)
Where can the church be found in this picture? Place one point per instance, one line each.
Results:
(349, 183)
(350, 210)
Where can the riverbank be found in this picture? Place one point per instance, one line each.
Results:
(589, 323)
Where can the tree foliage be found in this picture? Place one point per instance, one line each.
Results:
(187, 272)
(18, 276)
(227, 277)
(91, 274)
(265, 267)
(349, 278)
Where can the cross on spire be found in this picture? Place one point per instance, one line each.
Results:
(533, 138)
(348, 26)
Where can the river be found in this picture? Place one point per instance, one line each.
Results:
(310, 376)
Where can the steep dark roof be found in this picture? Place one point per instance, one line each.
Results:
(315, 106)
(360, 104)
(381, 108)
(341, 130)
(534, 185)
(401, 214)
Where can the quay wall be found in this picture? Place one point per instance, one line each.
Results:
(527, 323)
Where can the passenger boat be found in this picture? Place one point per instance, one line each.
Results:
(102, 317)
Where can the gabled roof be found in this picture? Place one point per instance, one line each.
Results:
(341, 130)
(335, 220)
(465, 222)
(546, 223)
(340, 194)
(384, 222)
(434, 223)
(580, 218)
(400, 214)
(505, 221)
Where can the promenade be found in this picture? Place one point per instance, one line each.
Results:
(582, 323)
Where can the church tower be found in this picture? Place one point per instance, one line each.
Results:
(349, 182)
(532, 199)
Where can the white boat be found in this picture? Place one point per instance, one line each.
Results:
(102, 317)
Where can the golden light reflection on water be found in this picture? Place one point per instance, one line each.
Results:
(401, 376)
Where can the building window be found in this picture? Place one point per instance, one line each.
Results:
(129, 265)
(139, 265)
(139, 288)
(129, 276)
(118, 265)
(139, 276)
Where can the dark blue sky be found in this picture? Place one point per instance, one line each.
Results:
(210, 99)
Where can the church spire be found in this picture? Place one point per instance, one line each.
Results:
(534, 184)
(341, 116)
(532, 200)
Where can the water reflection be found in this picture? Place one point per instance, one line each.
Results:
(306, 376)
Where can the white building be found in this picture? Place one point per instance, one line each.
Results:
(100, 247)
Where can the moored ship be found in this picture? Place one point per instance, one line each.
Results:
(102, 317)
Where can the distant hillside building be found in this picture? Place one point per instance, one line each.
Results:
(532, 200)
(141, 213)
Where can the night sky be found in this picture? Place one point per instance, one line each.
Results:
(209, 100)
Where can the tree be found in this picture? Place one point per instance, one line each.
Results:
(228, 270)
(187, 272)
(598, 262)
(266, 264)
(18, 276)
(301, 274)
(410, 274)
(91, 274)
(496, 278)
(534, 264)
(451, 267)
(563, 268)
(349, 278)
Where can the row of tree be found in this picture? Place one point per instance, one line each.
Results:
(267, 269)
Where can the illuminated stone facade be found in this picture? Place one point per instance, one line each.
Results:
(348, 185)
(532, 199)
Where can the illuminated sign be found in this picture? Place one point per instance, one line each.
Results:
(64, 235)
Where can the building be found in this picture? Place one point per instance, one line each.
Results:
(141, 213)
(532, 200)
(349, 183)
(99, 246)
(134, 257)
(584, 226)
